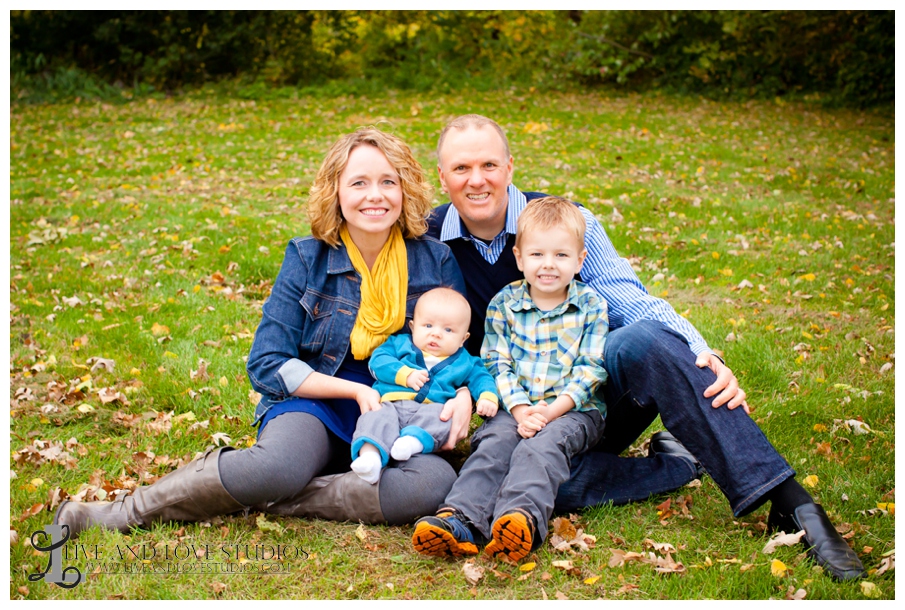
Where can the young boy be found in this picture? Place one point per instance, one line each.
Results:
(416, 374)
(543, 343)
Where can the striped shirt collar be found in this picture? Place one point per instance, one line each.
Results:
(454, 228)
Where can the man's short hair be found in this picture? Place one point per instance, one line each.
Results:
(472, 120)
(548, 213)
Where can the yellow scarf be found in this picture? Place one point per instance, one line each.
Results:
(383, 292)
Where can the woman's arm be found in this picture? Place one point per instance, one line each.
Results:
(318, 385)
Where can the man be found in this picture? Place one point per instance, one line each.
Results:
(658, 364)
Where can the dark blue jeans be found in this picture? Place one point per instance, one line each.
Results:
(652, 372)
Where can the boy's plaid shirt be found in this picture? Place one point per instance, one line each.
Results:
(539, 355)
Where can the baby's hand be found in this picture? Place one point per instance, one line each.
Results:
(417, 379)
(487, 408)
(368, 399)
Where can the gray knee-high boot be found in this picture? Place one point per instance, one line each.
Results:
(191, 493)
(337, 497)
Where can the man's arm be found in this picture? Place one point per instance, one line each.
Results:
(613, 278)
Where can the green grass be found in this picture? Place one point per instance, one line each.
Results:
(168, 218)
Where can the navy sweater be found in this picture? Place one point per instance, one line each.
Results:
(482, 280)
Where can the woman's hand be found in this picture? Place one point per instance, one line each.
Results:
(459, 409)
(368, 399)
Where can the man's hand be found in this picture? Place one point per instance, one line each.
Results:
(417, 379)
(368, 399)
(459, 409)
(487, 408)
(725, 388)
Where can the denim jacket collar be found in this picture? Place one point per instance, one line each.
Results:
(338, 261)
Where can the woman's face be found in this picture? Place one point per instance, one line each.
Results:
(370, 194)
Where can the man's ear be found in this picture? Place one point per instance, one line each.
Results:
(518, 258)
(442, 179)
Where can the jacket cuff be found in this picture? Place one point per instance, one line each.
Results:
(490, 396)
(403, 374)
(293, 373)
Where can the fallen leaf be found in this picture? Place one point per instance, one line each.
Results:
(101, 363)
(793, 594)
(869, 589)
(778, 568)
(268, 526)
(811, 480)
(560, 595)
(159, 329)
(591, 580)
(217, 587)
(527, 567)
(782, 539)
(361, 532)
(473, 574)
(857, 427)
(14, 537)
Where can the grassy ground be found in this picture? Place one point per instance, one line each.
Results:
(148, 234)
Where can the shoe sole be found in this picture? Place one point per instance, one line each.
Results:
(435, 541)
(512, 537)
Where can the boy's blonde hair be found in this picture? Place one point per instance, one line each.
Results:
(476, 121)
(324, 213)
(549, 212)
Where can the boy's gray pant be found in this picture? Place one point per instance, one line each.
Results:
(505, 471)
(401, 418)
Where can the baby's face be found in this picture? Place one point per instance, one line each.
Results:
(440, 328)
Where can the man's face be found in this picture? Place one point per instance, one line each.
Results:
(475, 171)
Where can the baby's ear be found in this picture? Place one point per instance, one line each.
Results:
(411, 325)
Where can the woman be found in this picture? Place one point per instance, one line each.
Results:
(340, 293)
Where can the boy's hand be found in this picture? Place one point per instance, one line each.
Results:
(530, 418)
(368, 399)
(417, 379)
(487, 408)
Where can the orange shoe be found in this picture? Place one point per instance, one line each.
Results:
(513, 535)
(446, 534)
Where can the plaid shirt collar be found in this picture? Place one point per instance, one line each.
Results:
(520, 299)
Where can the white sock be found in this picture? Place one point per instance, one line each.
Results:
(405, 447)
(367, 466)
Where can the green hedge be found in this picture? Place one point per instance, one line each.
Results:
(847, 55)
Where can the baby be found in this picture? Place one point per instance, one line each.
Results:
(416, 374)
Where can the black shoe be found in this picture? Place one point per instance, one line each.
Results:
(823, 543)
(664, 442)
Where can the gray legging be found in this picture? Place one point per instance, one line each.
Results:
(293, 448)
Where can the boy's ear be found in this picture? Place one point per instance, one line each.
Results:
(581, 257)
(518, 258)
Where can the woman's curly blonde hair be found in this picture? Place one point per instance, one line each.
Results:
(324, 212)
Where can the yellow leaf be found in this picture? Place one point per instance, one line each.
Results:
(811, 480)
(778, 568)
(135, 372)
(527, 567)
(196, 288)
(869, 589)
(819, 428)
(225, 249)
(170, 355)
(591, 580)
(224, 382)
(726, 272)
(37, 482)
(159, 329)
(85, 408)
(807, 335)
(808, 277)
(715, 255)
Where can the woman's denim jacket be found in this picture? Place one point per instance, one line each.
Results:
(309, 315)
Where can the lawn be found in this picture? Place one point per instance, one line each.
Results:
(145, 236)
